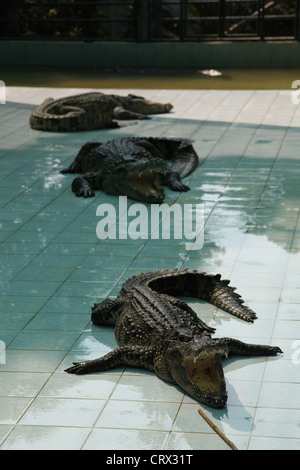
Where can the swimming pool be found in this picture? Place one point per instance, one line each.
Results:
(53, 268)
(232, 79)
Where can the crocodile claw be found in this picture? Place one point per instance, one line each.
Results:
(78, 368)
(179, 186)
(85, 192)
(273, 350)
(183, 187)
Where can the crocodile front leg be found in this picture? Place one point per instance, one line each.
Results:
(135, 356)
(236, 347)
(83, 186)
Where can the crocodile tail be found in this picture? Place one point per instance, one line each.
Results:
(224, 296)
(180, 152)
(36, 120)
(186, 159)
(67, 117)
(203, 286)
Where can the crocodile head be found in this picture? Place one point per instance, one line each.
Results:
(138, 104)
(196, 366)
(140, 179)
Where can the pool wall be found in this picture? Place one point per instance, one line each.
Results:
(166, 54)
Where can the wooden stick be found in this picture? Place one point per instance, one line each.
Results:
(217, 430)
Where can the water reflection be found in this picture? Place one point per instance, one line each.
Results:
(53, 181)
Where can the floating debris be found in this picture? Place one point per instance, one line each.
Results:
(211, 73)
(217, 430)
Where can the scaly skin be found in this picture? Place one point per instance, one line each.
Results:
(133, 166)
(89, 111)
(158, 332)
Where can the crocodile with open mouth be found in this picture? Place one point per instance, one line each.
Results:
(89, 111)
(133, 166)
(163, 334)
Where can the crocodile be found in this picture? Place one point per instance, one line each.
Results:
(89, 111)
(133, 166)
(161, 333)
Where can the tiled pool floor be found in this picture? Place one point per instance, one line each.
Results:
(53, 268)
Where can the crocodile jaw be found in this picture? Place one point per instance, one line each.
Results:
(147, 184)
(142, 105)
(143, 186)
(201, 376)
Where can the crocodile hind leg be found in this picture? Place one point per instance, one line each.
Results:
(183, 158)
(135, 356)
(106, 312)
(122, 113)
(190, 316)
(173, 180)
(75, 167)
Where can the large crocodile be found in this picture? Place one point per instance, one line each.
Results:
(161, 333)
(88, 111)
(133, 166)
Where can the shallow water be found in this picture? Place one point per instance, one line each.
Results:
(53, 268)
(242, 79)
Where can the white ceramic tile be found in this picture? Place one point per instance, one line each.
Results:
(249, 182)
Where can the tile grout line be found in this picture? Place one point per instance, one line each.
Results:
(278, 303)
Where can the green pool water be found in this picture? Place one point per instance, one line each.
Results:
(243, 79)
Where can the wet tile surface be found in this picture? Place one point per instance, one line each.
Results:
(53, 268)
